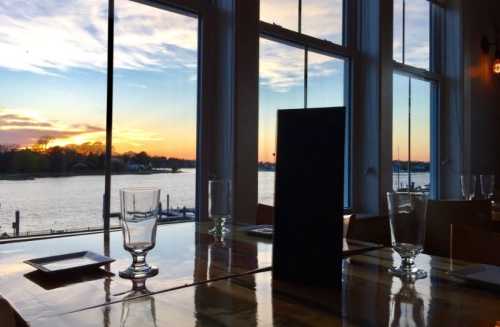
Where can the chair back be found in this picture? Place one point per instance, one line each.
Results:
(441, 214)
(473, 244)
(265, 214)
(373, 229)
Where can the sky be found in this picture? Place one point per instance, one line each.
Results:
(53, 72)
(53, 59)
(282, 71)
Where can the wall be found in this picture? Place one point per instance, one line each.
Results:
(482, 88)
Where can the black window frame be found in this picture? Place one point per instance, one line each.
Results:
(434, 77)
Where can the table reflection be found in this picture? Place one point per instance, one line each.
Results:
(407, 306)
(138, 308)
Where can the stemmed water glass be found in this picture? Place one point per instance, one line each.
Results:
(219, 205)
(468, 184)
(139, 219)
(488, 186)
(407, 224)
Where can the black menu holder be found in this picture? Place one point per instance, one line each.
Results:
(309, 197)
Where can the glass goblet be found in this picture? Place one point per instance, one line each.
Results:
(407, 224)
(139, 220)
(219, 205)
(468, 184)
(487, 186)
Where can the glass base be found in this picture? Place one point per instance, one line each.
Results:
(408, 274)
(135, 273)
(219, 228)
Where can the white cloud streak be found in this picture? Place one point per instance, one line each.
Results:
(281, 66)
(54, 36)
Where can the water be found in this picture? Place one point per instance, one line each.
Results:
(76, 202)
(140, 234)
(266, 184)
(420, 180)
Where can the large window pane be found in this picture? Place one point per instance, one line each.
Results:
(420, 133)
(325, 88)
(323, 19)
(281, 12)
(52, 113)
(417, 33)
(398, 31)
(400, 130)
(411, 38)
(411, 134)
(155, 111)
(281, 86)
(325, 81)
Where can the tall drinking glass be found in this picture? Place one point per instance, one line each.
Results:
(468, 183)
(219, 205)
(407, 223)
(488, 186)
(139, 219)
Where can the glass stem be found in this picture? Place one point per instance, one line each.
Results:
(138, 261)
(408, 263)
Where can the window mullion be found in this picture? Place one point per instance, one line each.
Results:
(300, 16)
(409, 134)
(403, 36)
(306, 60)
(109, 117)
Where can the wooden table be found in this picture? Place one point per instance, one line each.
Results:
(203, 282)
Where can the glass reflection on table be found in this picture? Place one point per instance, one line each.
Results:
(138, 307)
(407, 307)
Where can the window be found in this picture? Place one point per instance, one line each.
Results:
(52, 113)
(411, 134)
(155, 109)
(322, 19)
(293, 73)
(53, 73)
(412, 30)
(281, 86)
(280, 12)
(415, 101)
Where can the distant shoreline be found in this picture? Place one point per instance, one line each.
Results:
(31, 176)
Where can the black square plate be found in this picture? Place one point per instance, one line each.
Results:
(69, 262)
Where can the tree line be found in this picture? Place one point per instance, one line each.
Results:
(88, 157)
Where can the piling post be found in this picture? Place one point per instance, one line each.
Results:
(15, 224)
(168, 203)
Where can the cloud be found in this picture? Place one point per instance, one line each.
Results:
(54, 36)
(137, 86)
(281, 66)
(417, 26)
(25, 129)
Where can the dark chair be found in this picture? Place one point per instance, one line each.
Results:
(475, 245)
(265, 214)
(373, 229)
(8, 315)
(441, 214)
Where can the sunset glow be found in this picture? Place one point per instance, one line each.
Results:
(54, 79)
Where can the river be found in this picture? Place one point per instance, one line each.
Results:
(76, 202)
